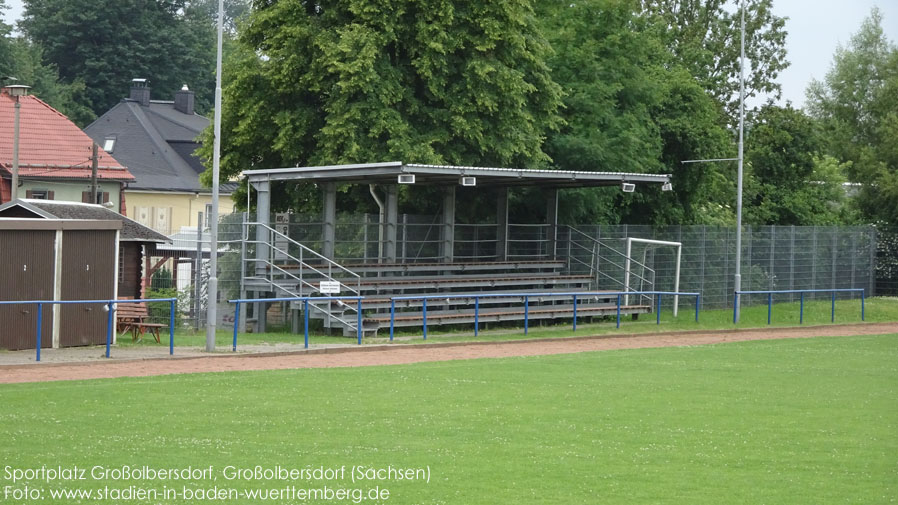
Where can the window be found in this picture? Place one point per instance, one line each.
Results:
(102, 197)
(39, 194)
(109, 144)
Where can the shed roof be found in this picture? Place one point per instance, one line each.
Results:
(132, 231)
(388, 173)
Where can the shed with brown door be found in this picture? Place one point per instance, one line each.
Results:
(50, 259)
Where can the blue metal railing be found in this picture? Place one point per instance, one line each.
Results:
(526, 300)
(110, 307)
(801, 292)
(305, 307)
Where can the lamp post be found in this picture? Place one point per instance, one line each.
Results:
(737, 281)
(15, 91)
(212, 289)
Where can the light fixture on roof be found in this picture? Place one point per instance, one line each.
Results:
(628, 187)
(406, 178)
(468, 181)
(667, 186)
(184, 88)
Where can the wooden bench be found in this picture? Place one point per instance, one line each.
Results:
(132, 317)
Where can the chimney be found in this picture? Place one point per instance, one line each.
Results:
(184, 100)
(140, 92)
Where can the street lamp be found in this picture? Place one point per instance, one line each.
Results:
(16, 90)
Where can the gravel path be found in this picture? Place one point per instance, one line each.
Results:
(284, 357)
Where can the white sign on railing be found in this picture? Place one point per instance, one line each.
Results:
(329, 287)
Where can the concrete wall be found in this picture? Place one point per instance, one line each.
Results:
(168, 212)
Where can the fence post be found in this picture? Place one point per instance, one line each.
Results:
(575, 312)
(526, 313)
(40, 307)
(769, 306)
(424, 315)
(171, 328)
(305, 315)
(476, 314)
(658, 310)
(392, 317)
(359, 310)
(697, 298)
(735, 304)
(832, 313)
(618, 311)
(801, 309)
(236, 324)
(862, 305)
(109, 329)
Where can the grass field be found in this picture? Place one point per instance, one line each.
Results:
(799, 421)
(784, 314)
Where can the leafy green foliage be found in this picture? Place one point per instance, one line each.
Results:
(857, 103)
(789, 181)
(704, 36)
(106, 43)
(430, 82)
(629, 107)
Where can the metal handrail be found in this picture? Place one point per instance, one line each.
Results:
(770, 293)
(597, 253)
(527, 296)
(305, 300)
(302, 247)
(110, 308)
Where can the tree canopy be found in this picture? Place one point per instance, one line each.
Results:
(857, 104)
(431, 81)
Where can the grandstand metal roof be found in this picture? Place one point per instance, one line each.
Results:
(388, 173)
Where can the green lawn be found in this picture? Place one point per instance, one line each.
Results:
(784, 314)
(800, 421)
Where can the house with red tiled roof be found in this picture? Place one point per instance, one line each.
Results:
(55, 157)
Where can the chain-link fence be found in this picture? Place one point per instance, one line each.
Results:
(773, 257)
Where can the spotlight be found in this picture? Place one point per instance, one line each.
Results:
(406, 178)
(628, 187)
(468, 181)
(667, 186)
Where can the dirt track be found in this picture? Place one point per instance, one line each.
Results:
(402, 354)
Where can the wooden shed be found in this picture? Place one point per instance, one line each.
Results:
(135, 241)
(50, 259)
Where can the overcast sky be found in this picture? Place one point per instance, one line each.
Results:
(815, 29)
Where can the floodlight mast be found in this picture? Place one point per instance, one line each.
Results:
(212, 291)
(737, 280)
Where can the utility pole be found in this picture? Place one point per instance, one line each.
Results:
(94, 165)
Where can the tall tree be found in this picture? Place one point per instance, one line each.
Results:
(788, 181)
(704, 36)
(430, 81)
(857, 102)
(630, 107)
(23, 60)
(106, 43)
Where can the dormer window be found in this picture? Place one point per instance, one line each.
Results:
(109, 144)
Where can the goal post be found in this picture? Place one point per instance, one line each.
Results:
(657, 243)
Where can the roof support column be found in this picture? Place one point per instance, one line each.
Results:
(263, 218)
(448, 246)
(391, 216)
(502, 225)
(329, 219)
(552, 221)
